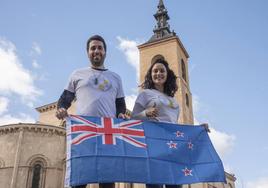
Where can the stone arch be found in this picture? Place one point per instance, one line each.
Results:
(38, 157)
(156, 57)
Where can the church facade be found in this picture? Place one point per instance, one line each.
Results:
(33, 155)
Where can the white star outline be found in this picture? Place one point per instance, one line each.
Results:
(190, 145)
(179, 134)
(187, 172)
(172, 144)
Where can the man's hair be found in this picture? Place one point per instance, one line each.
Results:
(170, 86)
(96, 37)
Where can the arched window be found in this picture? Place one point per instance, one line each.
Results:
(37, 168)
(187, 100)
(183, 70)
(37, 173)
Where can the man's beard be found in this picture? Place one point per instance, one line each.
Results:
(97, 63)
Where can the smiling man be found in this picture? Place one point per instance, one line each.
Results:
(97, 90)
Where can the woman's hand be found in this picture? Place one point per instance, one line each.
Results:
(205, 125)
(151, 112)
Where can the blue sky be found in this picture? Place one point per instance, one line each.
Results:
(41, 43)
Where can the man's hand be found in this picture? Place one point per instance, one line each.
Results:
(123, 116)
(205, 125)
(61, 113)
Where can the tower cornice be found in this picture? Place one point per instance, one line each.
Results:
(47, 107)
(167, 39)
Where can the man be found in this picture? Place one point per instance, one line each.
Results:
(97, 90)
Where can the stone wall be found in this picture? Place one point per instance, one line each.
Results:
(22, 146)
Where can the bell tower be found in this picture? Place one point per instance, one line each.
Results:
(166, 44)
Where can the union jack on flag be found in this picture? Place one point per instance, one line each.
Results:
(108, 129)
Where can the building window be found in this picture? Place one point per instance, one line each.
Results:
(183, 70)
(36, 176)
(37, 173)
(187, 100)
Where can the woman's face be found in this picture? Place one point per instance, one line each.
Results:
(159, 74)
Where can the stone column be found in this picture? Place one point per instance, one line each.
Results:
(17, 158)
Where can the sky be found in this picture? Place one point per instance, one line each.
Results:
(41, 43)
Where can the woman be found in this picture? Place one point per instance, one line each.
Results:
(156, 101)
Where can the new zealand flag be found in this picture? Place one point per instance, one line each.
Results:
(101, 150)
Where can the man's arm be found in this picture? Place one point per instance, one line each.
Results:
(120, 106)
(64, 103)
(65, 100)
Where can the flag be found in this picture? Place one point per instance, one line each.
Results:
(102, 150)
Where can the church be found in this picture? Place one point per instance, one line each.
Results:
(33, 155)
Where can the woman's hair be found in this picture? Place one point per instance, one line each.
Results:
(170, 86)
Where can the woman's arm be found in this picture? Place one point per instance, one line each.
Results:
(138, 112)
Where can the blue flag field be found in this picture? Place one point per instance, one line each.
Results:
(103, 150)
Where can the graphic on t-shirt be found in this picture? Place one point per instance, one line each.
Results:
(168, 102)
(103, 83)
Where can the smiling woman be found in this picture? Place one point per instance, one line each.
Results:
(156, 101)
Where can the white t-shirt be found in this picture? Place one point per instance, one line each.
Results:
(168, 108)
(95, 91)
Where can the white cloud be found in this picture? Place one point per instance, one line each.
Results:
(22, 118)
(222, 142)
(14, 77)
(259, 183)
(3, 104)
(130, 101)
(36, 49)
(130, 50)
(35, 64)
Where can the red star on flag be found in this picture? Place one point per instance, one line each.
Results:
(172, 144)
(190, 145)
(179, 134)
(187, 172)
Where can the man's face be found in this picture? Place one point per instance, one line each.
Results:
(96, 53)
